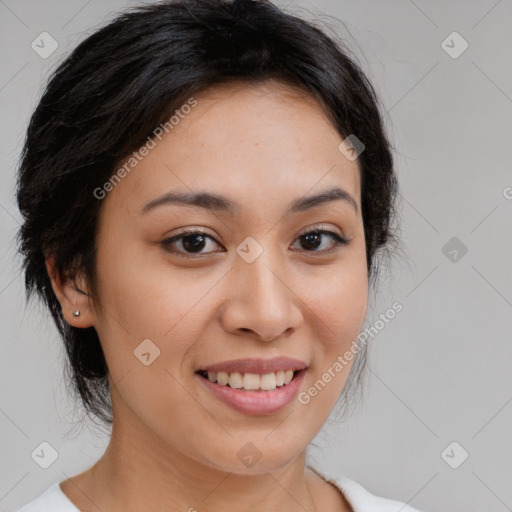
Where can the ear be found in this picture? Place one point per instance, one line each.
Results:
(72, 295)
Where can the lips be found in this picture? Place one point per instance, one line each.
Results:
(256, 365)
(255, 402)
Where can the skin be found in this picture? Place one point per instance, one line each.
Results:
(173, 445)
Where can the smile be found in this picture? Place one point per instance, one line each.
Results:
(256, 394)
(250, 381)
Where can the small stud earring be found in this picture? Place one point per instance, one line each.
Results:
(76, 313)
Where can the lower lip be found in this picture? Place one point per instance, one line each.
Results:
(256, 402)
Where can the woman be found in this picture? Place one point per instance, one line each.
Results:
(205, 187)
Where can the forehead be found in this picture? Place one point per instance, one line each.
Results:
(252, 142)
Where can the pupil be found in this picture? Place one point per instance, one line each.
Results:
(193, 246)
(313, 238)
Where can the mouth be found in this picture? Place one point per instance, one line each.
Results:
(251, 381)
(251, 393)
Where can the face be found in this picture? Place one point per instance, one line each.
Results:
(266, 278)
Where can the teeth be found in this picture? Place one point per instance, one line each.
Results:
(268, 381)
(235, 380)
(252, 381)
(222, 378)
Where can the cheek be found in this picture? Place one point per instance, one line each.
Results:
(337, 312)
(338, 306)
(145, 300)
(135, 290)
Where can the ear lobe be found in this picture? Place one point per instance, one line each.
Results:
(71, 297)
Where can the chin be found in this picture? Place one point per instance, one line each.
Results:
(247, 457)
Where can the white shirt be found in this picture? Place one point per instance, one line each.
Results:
(361, 500)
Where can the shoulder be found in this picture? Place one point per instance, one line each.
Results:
(360, 499)
(52, 499)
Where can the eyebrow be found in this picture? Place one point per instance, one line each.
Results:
(217, 202)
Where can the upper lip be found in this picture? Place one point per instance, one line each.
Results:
(256, 365)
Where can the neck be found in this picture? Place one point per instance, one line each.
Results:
(139, 471)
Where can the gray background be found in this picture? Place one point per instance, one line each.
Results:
(440, 372)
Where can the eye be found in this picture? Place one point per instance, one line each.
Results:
(192, 242)
(313, 240)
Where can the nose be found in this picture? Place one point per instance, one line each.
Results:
(261, 300)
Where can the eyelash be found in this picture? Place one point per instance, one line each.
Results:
(166, 244)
